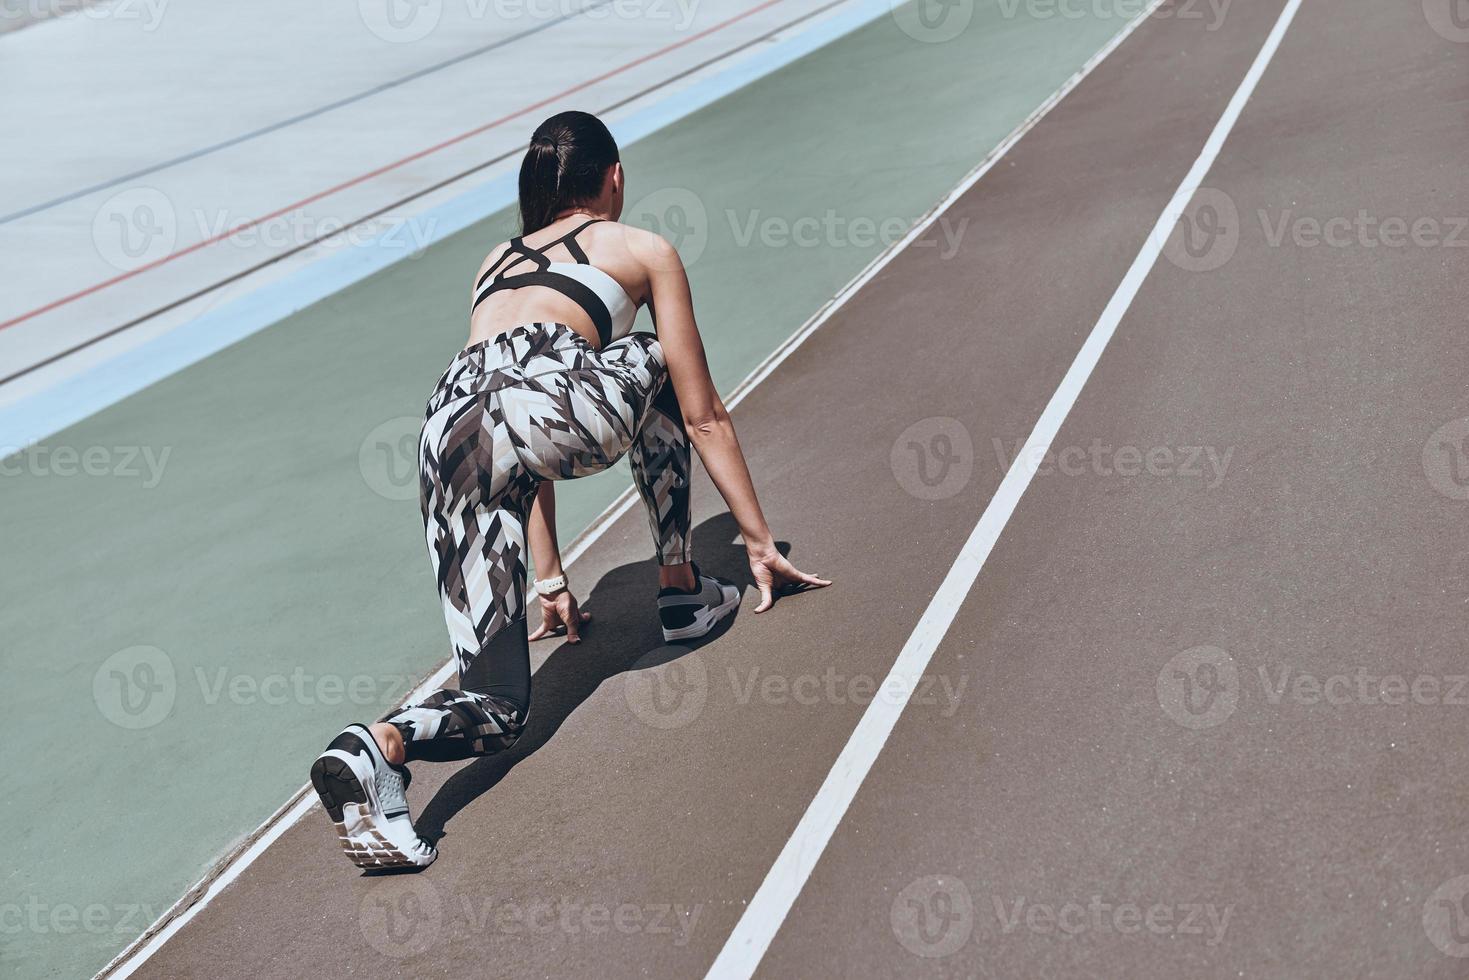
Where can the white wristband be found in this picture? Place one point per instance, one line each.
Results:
(546, 586)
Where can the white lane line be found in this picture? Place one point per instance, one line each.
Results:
(762, 918)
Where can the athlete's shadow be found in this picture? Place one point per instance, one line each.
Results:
(623, 635)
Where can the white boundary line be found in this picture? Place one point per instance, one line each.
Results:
(762, 918)
(233, 865)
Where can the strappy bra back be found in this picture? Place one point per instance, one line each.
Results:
(602, 298)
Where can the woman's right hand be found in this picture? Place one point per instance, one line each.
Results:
(773, 572)
(561, 615)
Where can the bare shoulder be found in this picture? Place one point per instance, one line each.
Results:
(495, 254)
(646, 249)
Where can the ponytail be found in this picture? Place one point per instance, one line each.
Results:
(566, 165)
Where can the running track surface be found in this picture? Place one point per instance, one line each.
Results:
(267, 581)
(1078, 795)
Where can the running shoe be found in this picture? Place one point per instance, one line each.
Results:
(365, 796)
(690, 615)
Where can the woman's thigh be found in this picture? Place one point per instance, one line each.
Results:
(467, 460)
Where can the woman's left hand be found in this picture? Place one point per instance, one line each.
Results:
(560, 615)
(774, 574)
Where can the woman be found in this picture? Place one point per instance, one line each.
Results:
(551, 387)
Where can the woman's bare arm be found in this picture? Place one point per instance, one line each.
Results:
(540, 532)
(707, 420)
(560, 611)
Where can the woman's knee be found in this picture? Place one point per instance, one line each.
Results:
(498, 742)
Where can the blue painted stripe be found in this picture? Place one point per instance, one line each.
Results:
(39, 416)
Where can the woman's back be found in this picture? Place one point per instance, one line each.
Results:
(589, 274)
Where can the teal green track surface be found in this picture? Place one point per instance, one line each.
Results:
(278, 568)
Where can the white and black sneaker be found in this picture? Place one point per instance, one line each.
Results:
(365, 797)
(690, 615)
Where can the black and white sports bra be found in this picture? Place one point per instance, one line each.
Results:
(603, 299)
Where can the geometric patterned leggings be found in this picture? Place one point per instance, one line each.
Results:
(537, 403)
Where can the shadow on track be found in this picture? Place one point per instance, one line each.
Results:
(623, 636)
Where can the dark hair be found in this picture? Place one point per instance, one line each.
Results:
(566, 164)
